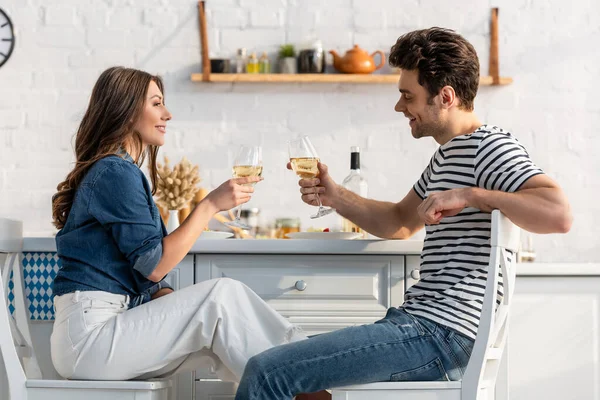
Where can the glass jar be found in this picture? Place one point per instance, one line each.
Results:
(283, 226)
(249, 216)
(252, 64)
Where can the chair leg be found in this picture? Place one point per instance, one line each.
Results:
(30, 363)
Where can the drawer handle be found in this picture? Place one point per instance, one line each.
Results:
(300, 285)
(415, 274)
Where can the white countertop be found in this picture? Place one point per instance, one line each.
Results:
(276, 246)
(359, 247)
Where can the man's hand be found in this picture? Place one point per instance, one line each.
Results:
(442, 204)
(324, 185)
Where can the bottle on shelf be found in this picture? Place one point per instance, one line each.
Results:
(240, 61)
(357, 183)
(264, 64)
(252, 64)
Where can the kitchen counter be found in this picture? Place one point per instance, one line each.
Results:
(374, 247)
(275, 246)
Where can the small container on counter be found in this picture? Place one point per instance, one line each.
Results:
(283, 226)
(252, 64)
(240, 61)
(264, 66)
(249, 216)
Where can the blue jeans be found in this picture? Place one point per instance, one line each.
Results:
(400, 347)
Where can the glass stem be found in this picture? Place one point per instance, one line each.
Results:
(319, 200)
(239, 213)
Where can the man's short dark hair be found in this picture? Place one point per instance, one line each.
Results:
(443, 58)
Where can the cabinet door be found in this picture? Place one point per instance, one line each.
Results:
(183, 274)
(554, 338)
(180, 277)
(320, 293)
(412, 274)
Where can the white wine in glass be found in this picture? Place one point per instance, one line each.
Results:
(305, 167)
(304, 160)
(243, 171)
(248, 162)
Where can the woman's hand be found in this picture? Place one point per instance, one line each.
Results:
(233, 192)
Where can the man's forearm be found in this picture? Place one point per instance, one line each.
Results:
(539, 210)
(379, 218)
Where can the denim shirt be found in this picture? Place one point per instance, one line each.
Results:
(112, 240)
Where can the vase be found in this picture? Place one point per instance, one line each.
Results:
(173, 222)
(288, 65)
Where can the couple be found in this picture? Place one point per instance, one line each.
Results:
(117, 319)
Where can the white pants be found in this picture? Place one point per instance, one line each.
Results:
(219, 323)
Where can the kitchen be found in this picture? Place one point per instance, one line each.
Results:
(549, 106)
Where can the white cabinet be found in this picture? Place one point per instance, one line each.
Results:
(180, 277)
(320, 293)
(554, 338)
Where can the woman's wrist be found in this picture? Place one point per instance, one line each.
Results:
(210, 206)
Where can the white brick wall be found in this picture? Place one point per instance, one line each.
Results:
(547, 47)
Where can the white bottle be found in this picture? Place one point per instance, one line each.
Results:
(357, 183)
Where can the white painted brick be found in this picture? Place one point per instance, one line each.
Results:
(407, 15)
(140, 38)
(267, 18)
(35, 178)
(253, 40)
(331, 38)
(227, 18)
(102, 58)
(263, 3)
(61, 37)
(59, 15)
(300, 17)
(341, 17)
(107, 39)
(11, 118)
(94, 17)
(14, 79)
(377, 40)
(50, 58)
(159, 17)
(366, 20)
(119, 17)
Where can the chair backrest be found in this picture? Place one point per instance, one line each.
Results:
(490, 342)
(11, 236)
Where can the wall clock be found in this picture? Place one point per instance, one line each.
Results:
(7, 37)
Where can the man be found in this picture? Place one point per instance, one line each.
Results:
(476, 169)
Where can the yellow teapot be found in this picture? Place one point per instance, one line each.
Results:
(357, 61)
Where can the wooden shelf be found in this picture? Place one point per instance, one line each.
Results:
(493, 79)
(318, 78)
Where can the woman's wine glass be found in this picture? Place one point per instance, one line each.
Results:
(248, 162)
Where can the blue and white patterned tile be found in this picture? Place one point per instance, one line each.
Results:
(39, 271)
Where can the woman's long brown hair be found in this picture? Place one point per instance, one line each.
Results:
(116, 104)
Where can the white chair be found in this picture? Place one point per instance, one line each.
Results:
(479, 380)
(20, 365)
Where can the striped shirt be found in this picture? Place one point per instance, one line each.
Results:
(455, 255)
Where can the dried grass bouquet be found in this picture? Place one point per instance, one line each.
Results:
(177, 186)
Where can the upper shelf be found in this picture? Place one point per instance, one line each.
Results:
(318, 78)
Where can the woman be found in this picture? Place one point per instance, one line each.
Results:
(115, 316)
